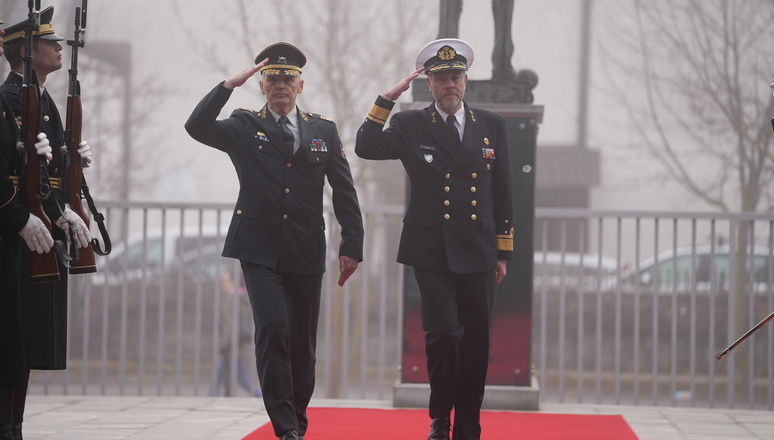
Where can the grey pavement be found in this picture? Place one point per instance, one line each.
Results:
(230, 418)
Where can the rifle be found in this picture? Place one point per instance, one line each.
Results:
(43, 267)
(83, 259)
(719, 356)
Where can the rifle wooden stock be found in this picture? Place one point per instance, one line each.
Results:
(82, 259)
(43, 267)
(85, 263)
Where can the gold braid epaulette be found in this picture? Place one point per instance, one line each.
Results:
(379, 114)
(505, 241)
(316, 116)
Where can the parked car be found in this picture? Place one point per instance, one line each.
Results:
(200, 268)
(203, 265)
(702, 269)
(573, 269)
(147, 256)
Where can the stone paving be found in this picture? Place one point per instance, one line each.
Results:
(231, 418)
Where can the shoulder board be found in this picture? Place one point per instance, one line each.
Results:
(256, 113)
(319, 116)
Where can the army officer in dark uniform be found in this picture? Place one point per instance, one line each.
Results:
(457, 231)
(282, 157)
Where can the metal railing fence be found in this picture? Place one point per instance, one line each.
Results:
(628, 308)
(685, 286)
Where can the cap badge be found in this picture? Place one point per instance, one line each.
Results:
(282, 60)
(446, 53)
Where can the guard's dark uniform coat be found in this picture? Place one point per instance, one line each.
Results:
(460, 211)
(278, 218)
(13, 217)
(457, 225)
(44, 305)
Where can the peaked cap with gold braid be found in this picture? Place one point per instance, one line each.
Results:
(46, 31)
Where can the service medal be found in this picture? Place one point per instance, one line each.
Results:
(261, 136)
(318, 146)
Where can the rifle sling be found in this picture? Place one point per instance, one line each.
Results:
(99, 218)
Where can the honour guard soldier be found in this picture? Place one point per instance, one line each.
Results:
(282, 157)
(43, 306)
(15, 221)
(457, 230)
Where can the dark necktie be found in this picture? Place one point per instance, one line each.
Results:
(450, 124)
(287, 135)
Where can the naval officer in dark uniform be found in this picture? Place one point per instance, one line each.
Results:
(457, 230)
(43, 305)
(282, 157)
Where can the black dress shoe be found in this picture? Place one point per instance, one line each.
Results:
(5, 431)
(16, 431)
(439, 429)
(291, 435)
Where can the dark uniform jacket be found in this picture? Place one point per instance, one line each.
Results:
(460, 212)
(51, 124)
(44, 305)
(12, 211)
(278, 218)
(13, 217)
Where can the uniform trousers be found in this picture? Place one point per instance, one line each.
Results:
(286, 308)
(457, 315)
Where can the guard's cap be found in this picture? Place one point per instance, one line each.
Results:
(445, 54)
(284, 59)
(45, 32)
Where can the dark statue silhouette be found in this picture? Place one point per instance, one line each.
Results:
(502, 11)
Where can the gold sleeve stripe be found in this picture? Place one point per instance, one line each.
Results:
(505, 241)
(379, 114)
(9, 200)
(56, 182)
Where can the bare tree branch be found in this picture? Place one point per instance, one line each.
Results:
(698, 106)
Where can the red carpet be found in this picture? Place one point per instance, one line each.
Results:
(411, 424)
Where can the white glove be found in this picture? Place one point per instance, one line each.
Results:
(85, 151)
(36, 235)
(42, 147)
(82, 234)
